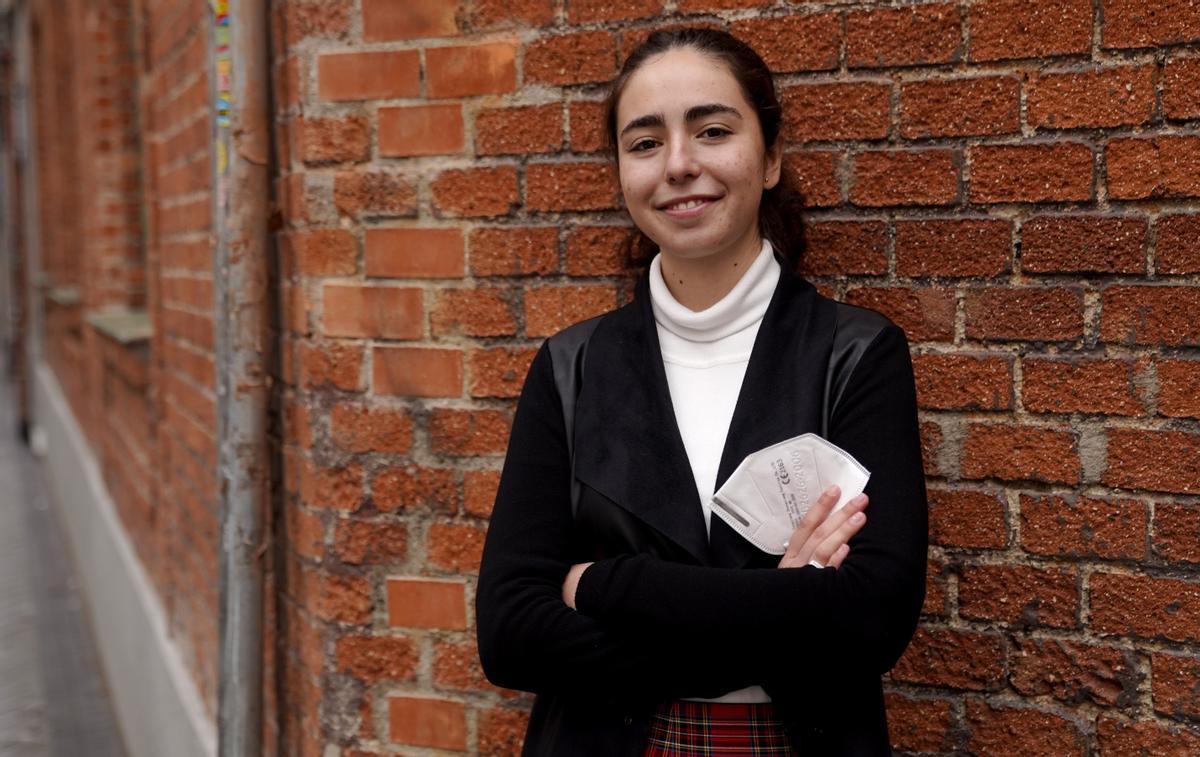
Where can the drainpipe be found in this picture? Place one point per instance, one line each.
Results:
(239, 57)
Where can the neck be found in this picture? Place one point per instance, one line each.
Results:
(699, 283)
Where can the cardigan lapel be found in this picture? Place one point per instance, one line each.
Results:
(627, 442)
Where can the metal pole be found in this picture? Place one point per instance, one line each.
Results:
(240, 53)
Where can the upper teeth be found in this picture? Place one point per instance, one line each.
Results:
(686, 205)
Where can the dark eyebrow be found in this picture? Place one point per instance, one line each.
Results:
(694, 113)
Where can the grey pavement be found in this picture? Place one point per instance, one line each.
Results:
(53, 701)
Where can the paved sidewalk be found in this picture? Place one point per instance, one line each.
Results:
(52, 697)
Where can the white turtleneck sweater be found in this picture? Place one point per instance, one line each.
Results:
(705, 355)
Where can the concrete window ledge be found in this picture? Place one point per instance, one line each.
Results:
(67, 297)
(122, 324)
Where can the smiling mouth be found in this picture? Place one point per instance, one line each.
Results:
(689, 204)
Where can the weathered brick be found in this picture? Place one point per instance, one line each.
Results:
(1177, 532)
(520, 130)
(320, 252)
(501, 732)
(384, 20)
(336, 364)
(499, 371)
(1144, 606)
(1003, 29)
(1062, 244)
(372, 311)
(549, 309)
(1176, 685)
(1130, 23)
(495, 14)
(357, 428)
(840, 248)
(586, 123)
(1024, 314)
(597, 250)
(953, 247)
(588, 11)
(925, 313)
(372, 659)
(1166, 461)
(801, 42)
(912, 35)
(1095, 98)
(1150, 315)
(814, 174)
(519, 251)
(358, 542)
(919, 724)
(969, 660)
(1166, 166)
(1181, 88)
(479, 491)
(467, 70)
(1074, 386)
(835, 111)
(904, 177)
(1019, 595)
(455, 547)
(461, 433)
(411, 487)
(420, 130)
(962, 107)
(556, 187)
(967, 518)
(334, 140)
(373, 193)
(1072, 672)
(1058, 172)
(1087, 527)
(475, 192)
(486, 311)
(963, 382)
(1117, 738)
(580, 58)
(369, 75)
(1020, 453)
(1021, 730)
(1176, 250)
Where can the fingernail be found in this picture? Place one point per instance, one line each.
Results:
(833, 490)
(857, 518)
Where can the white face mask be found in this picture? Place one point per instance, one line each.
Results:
(770, 492)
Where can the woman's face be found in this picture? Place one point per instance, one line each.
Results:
(691, 157)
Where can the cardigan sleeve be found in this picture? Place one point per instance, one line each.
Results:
(861, 615)
(528, 638)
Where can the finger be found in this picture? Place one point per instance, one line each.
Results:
(838, 556)
(812, 519)
(826, 549)
(834, 521)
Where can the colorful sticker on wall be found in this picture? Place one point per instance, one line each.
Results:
(223, 70)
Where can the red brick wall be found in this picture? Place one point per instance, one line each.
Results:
(1012, 182)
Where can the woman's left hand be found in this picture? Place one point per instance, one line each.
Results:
(571, 583)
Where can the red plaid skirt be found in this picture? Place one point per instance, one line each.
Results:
(706, 729)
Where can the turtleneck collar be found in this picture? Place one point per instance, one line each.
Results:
(743, 306)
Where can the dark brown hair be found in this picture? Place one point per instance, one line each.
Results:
(779, 217)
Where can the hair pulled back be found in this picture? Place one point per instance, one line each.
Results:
(779, 213)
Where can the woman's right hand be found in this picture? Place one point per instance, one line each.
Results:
(822, 538)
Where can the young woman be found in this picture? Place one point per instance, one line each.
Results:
(644, 625)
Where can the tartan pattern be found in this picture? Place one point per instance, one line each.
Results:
(709, 729)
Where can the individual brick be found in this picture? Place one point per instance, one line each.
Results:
(1004, 29)
(925, 313)
(468, 70)
(1176, 685)
(1019, 595)
(456, 667)
(1066, 243)
(421, 130)
(1119, 737)
(412, 487)
(1086, 527)
(1096, 98)
(499, 371)
(968, 519)
(935, 590)
(332, 364)
(475, 192)
(1178, 392)
(455, 547)
(331, 488)
(1176, 532)
(1072, 672)
(372, 659)
(426, 603)
(969, 660)
(501, 731)
(301, 21)
(962, 382)
(589, 11)
(435, 723)
(414, 252)
(373, 194)
(1176, 250)
(1020, 453)
(1166, 166)
(320, 252)
(1165, 461)
(417, 371)
(801, 42)
(841, 248)
(371, 311)
(463, 433)
(579, 58)
(549, 309)
(479, 492)
(520, 251)
(597, 250)
(912, 35)
(358, 542)
(1181, 88)
(961, 107)
(835, 111)
(383, 20)
(485, 311)
(369, 75)
(1143, 606)
(1080, 386)
(813, 173)
(519, 131)
(1161, 315)
(1025, 314)
(334, 140)
(1021, 730)
(1129, 23)
(586, 123)
(355, 428)
(497, 14)
(919, 724)
(557, 187)
(953, 247)
(1059, 172)
(904, 177)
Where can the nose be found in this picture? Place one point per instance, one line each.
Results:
(681, 162)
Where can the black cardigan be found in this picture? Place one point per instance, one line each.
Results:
(666, 612)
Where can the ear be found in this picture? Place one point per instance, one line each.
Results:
(773, 165)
